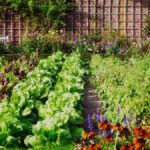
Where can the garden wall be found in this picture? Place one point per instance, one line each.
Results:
(91, 16)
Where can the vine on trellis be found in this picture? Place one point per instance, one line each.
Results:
(40, 15)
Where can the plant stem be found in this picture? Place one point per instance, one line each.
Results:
(117, 135)
(122, 142)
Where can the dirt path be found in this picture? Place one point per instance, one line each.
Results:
(91, 102)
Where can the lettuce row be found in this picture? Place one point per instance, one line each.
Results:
(61, 113)
(18, 115)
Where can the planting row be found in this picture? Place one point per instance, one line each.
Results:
(20, 113)
(61, 114)
(46, 106)
(123, 85)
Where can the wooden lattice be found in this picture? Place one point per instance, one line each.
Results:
(90, 16)
(93, 16)
(12, 25)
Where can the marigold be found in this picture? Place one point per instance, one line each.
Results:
(139, 143)
(88, 135)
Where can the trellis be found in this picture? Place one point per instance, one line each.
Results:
(93, 16)
(13, 26)
(90, 16)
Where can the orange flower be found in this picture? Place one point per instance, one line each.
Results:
(139, 143)
(88, 135)
(118, 127)
(84, 148)
(94, 147)
(104, 125)
(108, 139)
(141, 132)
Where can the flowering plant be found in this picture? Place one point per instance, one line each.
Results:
(118, 136)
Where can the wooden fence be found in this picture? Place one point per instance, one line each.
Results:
(91, 16)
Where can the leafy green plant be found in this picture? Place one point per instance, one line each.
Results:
(61, 114)
(18, 115)
(122, 83)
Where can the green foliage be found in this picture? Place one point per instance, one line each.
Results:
(61, 114)
(136, 49)
(41, 115)
(41, 15)
(123, 83)
(47, 43)
(18, 116)
(7, 48)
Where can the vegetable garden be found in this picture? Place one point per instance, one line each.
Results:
(44, 86)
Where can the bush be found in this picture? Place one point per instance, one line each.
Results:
(48, 43)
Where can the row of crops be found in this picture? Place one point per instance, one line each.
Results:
(45, 107)
(123, 85)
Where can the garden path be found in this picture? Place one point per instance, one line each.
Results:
(91, 102)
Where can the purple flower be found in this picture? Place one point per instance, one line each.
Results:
(103, 118)
(102, 50)
(137, 120)
(118, 110)
(125, 120)
(130, 118)
(98, 118)
(90, 124)
(109, 133)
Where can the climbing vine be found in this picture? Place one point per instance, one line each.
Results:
(147, 27)
(40, 14)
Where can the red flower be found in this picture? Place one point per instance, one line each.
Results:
(139, 143)
(88, 135)
(108, 139)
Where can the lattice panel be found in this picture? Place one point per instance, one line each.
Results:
(92, 16)
(12, 25)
